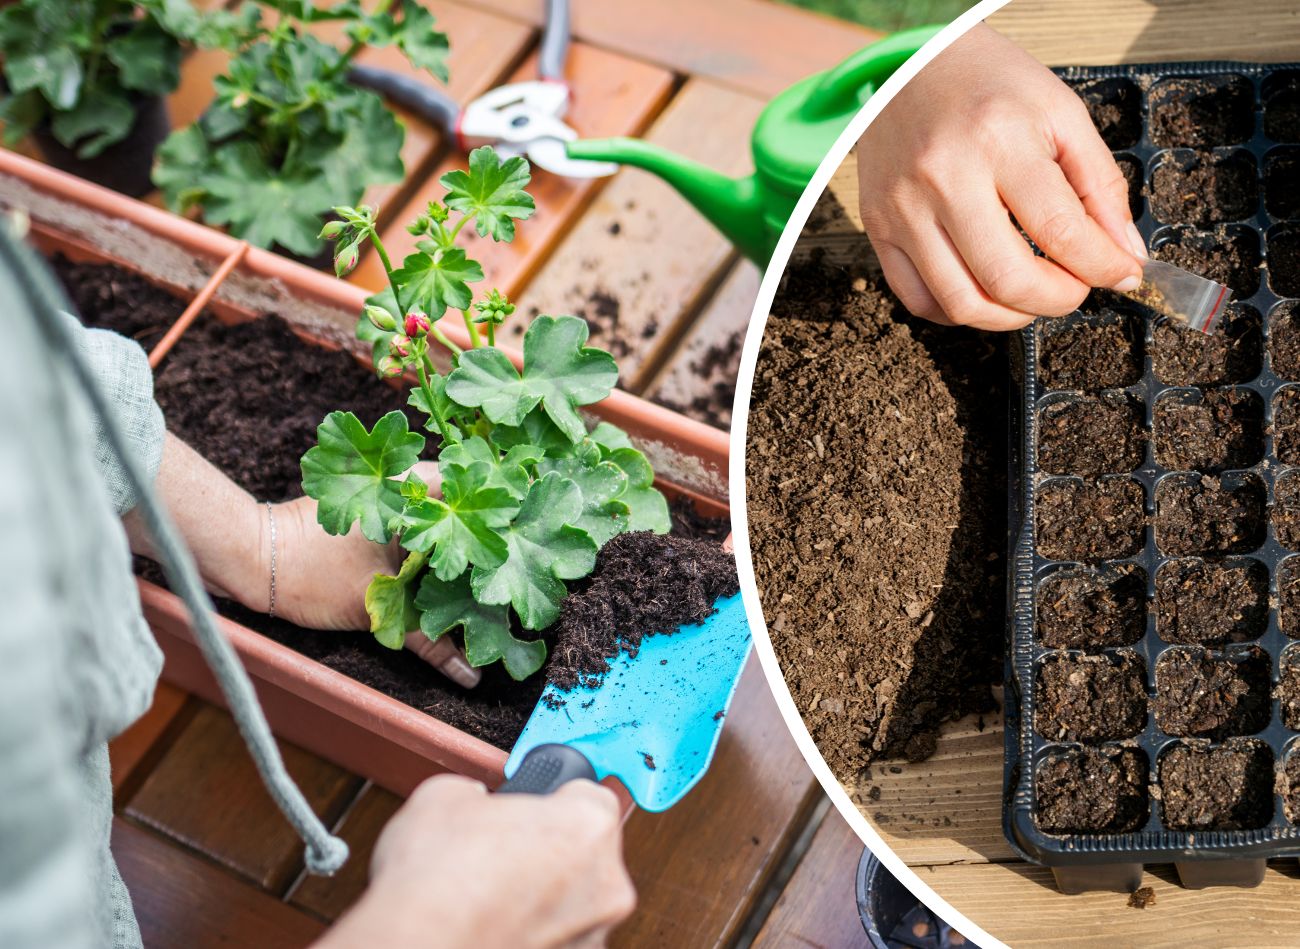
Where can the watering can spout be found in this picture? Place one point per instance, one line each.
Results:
(732, 205)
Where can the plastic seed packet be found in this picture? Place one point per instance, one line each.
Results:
(1180, 295)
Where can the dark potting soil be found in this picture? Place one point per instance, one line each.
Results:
(721, 362)
(1142, 897)
(1222, 429)
(1291, 782)
(1090, 520)
(1286, 510)
(1116, 109)
(1206, 515)
(1132, 170)
(1286, 425)
(108, 297)
(1288, 693)
(1284, 263)
(643, 584)
(1225, 787)
(1282, 110)
(1204, 189)
(876, 468)
(1284, 341)
(1230, 257)
(1092, 791)
(1288, 596)
(1210, 695)
(1211, 603)
(1182, 356)
(1281, 191)
(1104, 353)
(1090, 698)
(1087, 608)
(1201, 112)
(1091, 436)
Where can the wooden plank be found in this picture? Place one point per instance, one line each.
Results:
(699, 867)
(182, 900)
(612, 95)
(756, 46)
(1102, 32)
(819, 906)
(947, 808)
(1019, 904)
(128, 750)
(699, 379)
(642, 260)
(329, 897)
(205, 793)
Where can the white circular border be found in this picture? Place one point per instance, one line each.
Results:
(736, 473)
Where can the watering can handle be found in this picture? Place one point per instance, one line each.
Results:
(841, 86)
(546, 767)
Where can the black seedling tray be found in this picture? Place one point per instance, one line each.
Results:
(1114, 861)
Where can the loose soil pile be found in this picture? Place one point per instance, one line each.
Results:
(115, 299)
(1204, 189)
(876, 478)
(257, 430)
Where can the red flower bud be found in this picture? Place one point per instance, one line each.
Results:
(400, 345)
(389, 367)
(417, 324)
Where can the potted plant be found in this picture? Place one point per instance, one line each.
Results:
(287, 136)
(320, 708)
(86, 78)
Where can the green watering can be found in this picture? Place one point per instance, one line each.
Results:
(791, 137)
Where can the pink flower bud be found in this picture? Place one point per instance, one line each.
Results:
(417, 324)
(389, 367)
(346, 261)
(400, 346)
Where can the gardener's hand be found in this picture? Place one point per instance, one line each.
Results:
(320, 579)
(982, 130)
(457, 866)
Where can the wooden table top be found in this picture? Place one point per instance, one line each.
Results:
(752, 851)
(943, 816)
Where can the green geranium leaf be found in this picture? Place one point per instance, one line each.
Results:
(182, 160)
(434, 281)
(446, 604)
(602, 484)
(263, 206)
(53, 68)
(560, 374)
(350, 472)
(369, 151)
(537, 430)
(96, 122)
(508, 471)
(424, 46)
(20, 114)
(493, 191)
(464, 526)
(148, 60)
(390, 601)
(647, 507)
(610, 438)
(544, 549)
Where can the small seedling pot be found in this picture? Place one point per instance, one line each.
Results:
(893, 917)
(307, 703)
(124, 166)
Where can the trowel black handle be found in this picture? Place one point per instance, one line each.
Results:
(546, 767)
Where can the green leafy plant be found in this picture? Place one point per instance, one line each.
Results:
(528, 495)
(287, 137)
(80, 67)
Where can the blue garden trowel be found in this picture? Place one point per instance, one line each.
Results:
(653, 722)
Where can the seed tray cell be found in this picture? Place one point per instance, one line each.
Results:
(1158, 576)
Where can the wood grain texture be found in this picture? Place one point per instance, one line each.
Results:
(699, 378)
(642, 260)
(135, 747)
(1102, 32)
(612, 95)
(757, 46)
(1018, 904)
(819, 905)
(206, 794)
(699, 867)
(182, 900)
(330, 897)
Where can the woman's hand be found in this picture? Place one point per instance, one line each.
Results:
(320, 579)
(982, 133)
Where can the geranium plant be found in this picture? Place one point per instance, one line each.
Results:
(528, 494)
(81, 67)
(287, 136)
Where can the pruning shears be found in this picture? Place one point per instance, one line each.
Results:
(519, 118)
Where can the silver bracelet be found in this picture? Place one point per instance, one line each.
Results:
(270, 516)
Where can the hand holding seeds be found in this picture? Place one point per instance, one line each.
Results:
(985, 133)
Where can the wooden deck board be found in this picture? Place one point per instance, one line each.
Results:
(132, 749)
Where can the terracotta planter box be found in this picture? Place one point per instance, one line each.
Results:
(313, 706)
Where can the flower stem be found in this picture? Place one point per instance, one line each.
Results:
(475, 340)
(492, 333)
(443, 429)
